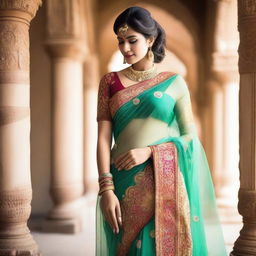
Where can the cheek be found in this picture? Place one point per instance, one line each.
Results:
(142, 48)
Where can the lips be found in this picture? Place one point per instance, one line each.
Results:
(128, 56)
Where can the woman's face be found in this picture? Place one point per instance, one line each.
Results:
(133, 45)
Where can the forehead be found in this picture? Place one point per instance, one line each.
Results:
(130, 32)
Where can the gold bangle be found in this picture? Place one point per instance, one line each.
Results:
(105, 174)
(106, 185)
(106, 181)
(105, 189)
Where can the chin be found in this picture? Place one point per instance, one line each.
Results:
(131, 62)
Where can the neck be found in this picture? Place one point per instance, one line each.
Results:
(142, 65)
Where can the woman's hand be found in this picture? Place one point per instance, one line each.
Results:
(132, 158)
(110, 207)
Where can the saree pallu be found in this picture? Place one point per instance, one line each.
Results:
(167, 203)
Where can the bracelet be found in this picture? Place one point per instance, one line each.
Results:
(105, 174)
(105, 178)
(106, 182)
(106, 189)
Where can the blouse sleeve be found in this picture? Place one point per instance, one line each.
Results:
(103, 112)
(184, 114)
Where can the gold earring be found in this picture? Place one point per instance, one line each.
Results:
(124, 62)
(150, 54)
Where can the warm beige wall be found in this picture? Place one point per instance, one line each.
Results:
(40, 116)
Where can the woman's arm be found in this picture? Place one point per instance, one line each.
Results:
(103, 146)
(109, 202)
(184, 113)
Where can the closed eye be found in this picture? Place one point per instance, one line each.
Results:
(131, 42)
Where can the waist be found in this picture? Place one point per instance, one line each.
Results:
(136, 141)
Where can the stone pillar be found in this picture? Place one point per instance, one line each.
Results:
(225, 134)
(230, 172)
(91, 74)
(224, 96)
(66, 49)
(245, 245)
(15, 179)
(214, 127)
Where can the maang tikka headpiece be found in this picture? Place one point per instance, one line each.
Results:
(123, 29)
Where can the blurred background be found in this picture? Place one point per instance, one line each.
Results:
(72, 44)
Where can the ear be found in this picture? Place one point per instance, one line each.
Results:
(151, 41)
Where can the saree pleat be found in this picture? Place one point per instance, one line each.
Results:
(168, 202)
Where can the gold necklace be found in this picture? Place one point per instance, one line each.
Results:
(139, 76)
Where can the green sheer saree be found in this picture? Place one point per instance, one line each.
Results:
(168, 202)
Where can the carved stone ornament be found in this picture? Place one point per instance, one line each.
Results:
(28, 6)
(66, 32)
(247, 47)
(14, 50)
(246, 242)
(247, 29)
(15, 205)
(247, 203)
(246, 7)
(65, 19)
(226, 62)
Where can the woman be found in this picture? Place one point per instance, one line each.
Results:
(156, 195)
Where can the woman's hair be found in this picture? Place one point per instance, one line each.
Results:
(140, 20)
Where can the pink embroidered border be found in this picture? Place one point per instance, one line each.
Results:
(138, 207)
(123, 96)
(166, 179)
(169, 202)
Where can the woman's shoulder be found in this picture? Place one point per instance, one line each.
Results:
(108, 77)
(111, 77)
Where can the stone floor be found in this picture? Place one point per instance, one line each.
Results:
(83, 244)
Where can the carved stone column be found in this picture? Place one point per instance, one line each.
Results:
(91, 73)
(66, 47)
(224, 79)
(245, 245)
(15, 180)
(214, 127)
(227, 143)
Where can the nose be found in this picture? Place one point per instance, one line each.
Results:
(126, 47)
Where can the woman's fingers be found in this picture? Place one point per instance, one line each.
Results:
(121, 158)
(126, 164)
(110, 221)
(109, 203)
(129, 165)
(108, 217)
(118, 214)
(114, 221)
(120, 163)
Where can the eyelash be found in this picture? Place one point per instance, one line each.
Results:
(131, 42)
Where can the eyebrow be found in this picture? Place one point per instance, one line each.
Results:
(126, 37)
